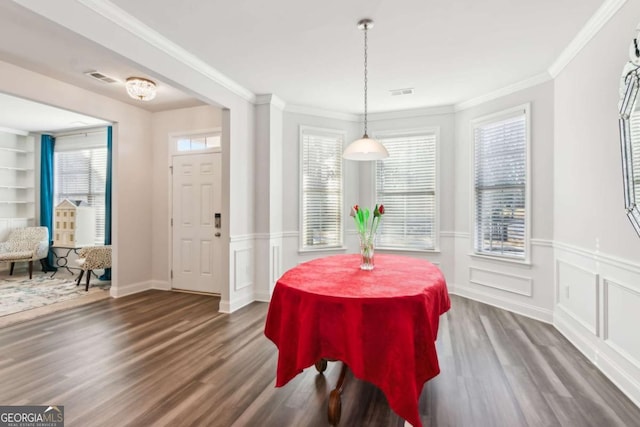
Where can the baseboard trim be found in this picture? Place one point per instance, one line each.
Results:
(131, 288)
(262, 297)
(527, 310)
(589, 345)
(160, 285)
(227, 306)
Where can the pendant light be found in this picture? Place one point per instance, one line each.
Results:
(365, 148)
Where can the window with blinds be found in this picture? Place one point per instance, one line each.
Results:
(634, 124)
(501, 186)
(406, 186)
(80, 170)
(321, 188)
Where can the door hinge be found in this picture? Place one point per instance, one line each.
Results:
(172, 274)
(172, 222)
(171, 169)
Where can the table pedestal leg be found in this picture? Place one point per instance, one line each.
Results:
(335, 401)
(321, 365)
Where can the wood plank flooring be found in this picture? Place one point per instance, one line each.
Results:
(169, 359)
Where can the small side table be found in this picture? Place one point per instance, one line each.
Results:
(61, 259)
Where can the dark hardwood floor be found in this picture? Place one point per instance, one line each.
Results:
(169, 359)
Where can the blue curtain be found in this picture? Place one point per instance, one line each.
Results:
(47, 143)
(107, 200)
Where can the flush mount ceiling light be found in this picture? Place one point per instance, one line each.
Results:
(140, 88)
(365, 148)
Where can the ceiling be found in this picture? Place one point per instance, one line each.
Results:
(19, 114)
(311, 53)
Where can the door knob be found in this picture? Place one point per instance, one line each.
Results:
(217, 234)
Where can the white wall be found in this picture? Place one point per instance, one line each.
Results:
(526, 289)
(597, 252)
(291, 255)
(588, 175)
(269, 201)
(131, 166)
(164, 124)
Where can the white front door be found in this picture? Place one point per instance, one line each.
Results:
(196, 261)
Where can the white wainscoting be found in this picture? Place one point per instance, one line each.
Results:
(620, 309)
(242, 268)
(523, 288)
(269, 268)
(275, 262)
(241, 273)
(577, 294)
(496, 279)
(597, 300)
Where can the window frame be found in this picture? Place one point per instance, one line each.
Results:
(525, 110)
(174, 140)
(305, 129)
(398, 133)
(73, 146)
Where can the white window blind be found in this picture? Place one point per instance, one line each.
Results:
(406, 186)
(634, 123)
(321, 187)
(80, 170)
(500, 186)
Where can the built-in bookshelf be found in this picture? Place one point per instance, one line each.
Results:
(17, 182)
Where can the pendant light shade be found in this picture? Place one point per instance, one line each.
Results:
(365, 148)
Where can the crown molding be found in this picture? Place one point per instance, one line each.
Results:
(14, 131)
(590, 29)
(414, 112)
(319, 112)
(507, 90)
(371, 117)
(119, 17)
(270, 99)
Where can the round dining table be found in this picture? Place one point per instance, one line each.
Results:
(382, 324)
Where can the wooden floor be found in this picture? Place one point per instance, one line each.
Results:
(169, 359)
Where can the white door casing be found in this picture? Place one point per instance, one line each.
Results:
(196, 198)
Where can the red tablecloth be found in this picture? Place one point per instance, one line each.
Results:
(382, 323)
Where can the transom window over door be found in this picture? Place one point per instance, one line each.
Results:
(500, 184)
(198, 142)
(80, 171)
(321, 203)
(406, 184)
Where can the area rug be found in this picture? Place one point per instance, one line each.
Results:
(21, 294)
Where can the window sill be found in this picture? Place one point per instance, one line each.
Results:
(314, 250)
(430, 251)
(523, 262)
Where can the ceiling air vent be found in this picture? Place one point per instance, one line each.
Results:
(99, 76)
(399, 92)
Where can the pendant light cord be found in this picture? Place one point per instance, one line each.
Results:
(366, 28)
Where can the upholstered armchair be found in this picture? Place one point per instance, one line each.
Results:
(25, 245)
(93, 258)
